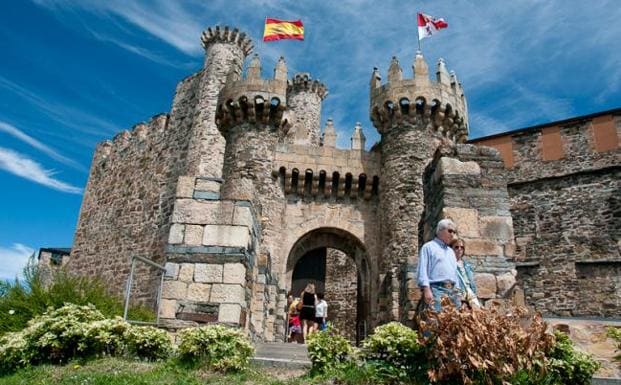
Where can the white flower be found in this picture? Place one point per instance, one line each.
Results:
(11, 312)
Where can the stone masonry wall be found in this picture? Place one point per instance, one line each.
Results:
(129, 199)
(341, 292)
(566, 206)
(567, 232)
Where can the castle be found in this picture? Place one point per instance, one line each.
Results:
(242, 198)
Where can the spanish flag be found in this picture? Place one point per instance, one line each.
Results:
(281, 29)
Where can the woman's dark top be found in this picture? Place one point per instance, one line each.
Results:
(308, 306)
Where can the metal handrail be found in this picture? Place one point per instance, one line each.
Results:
(130, 281)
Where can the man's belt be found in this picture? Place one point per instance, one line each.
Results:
(444, 284)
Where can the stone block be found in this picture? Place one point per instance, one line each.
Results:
(193, 235)
(199, 292)
(225, 235)
(483, 247)
(208, 273)
(202, 211)
(208, 185)
(229, 313)
(500, 228)
(467, 220)
(486, 285)
(451, 166)
(175, 236)
(186, 272)
(243, 216)
(504, 283)
(168, 308)
(185, 187)
(174, 290)
(234, 273)
(509, 249)
(172, 270)
(222, 293)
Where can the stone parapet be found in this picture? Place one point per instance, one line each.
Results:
(225, 34)
(253, 99)
(436, 105)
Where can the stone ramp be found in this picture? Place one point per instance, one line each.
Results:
(282, 355)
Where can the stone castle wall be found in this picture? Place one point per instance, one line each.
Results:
(129, 198)
(565, 190)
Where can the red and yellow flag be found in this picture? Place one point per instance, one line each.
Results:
(281, 29)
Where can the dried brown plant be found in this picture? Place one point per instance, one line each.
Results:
(483, 346)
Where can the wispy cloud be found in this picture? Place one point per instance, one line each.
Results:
(22, 166)
(19, 134)
(69, 116)
(13, 259)
(549, 49)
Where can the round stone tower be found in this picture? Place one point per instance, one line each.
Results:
(304, 97)
(250, 117)
(225, 52)
(413, 116)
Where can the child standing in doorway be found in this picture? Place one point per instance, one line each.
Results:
(321, 313)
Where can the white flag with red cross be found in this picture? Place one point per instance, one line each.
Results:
(428, 25)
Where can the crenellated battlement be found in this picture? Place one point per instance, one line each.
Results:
(254, 99)
(302, 82)
(225, 34)
(439, 105)
(134, 139)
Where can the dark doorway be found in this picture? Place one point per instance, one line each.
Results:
(310, 268)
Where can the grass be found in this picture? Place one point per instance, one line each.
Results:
(116, 371)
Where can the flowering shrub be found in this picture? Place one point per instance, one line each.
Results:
(12, 352)
(394, 351)
(59, 335)
(328, 350)
(79, 331)
(148, 342)
(219, 347)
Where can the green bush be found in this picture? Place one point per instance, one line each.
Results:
(394, 351)
(566, 365)
(74, 331)
(148, 342)
(219, 347)
(328, 350)
(615, 334)
(22, 300)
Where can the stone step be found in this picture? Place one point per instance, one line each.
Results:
(283, 355)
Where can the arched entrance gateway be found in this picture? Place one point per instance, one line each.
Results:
(337, 262)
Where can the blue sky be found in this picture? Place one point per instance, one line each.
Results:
(73, 73)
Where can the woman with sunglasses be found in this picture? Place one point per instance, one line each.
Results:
(465, 276)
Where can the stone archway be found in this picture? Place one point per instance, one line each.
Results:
(346, 275)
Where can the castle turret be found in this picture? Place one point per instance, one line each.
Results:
(413, 117)
(358, 140)
(250, 117)
(304, 97)
(329, 134)
(225, 51)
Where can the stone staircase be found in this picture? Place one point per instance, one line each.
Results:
(282, 355)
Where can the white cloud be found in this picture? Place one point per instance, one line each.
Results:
(22, 166)
(13, 260)
(19, 134)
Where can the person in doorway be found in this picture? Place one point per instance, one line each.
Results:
(307, 314)
(465, 276)
(437, 267)
(293, 320)
(321, 313)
